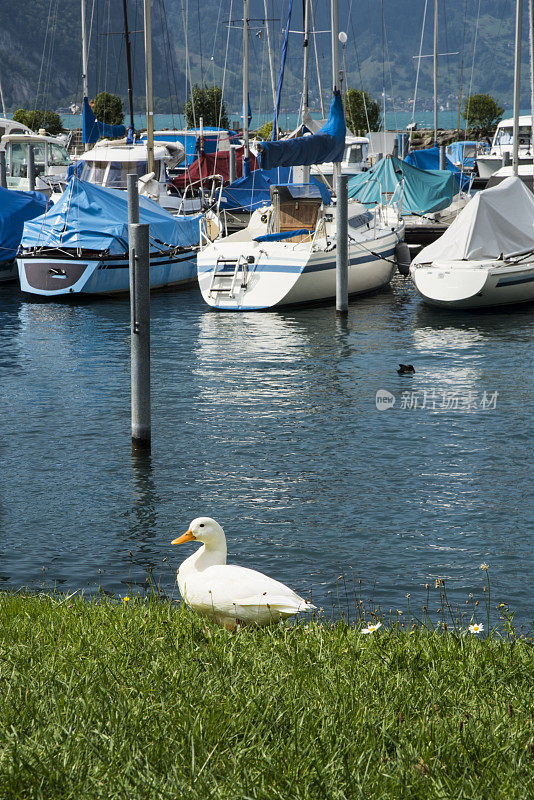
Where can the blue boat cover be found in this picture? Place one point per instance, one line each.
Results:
(93, 130)
(253, 191)
(96, 218)
(191, 140)
(429, 159)
(15, 208)
(421, 191)
(279, 237)
(457, 153)
(327, 145)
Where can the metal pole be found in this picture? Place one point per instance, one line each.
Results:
(85, 88)
(232, 167)
(531, 41)
(435, 73)
(128, 63)
(271, 65)
(149, 95)
(31, 168)
(342, 246)
(319, 82)
(4, 112)
(335, 74)
(3, 173)
(140, 333)
(517, 84)
(133, 199)
(442, 157)
(246, 154)
(305, 88)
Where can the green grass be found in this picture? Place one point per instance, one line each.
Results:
(143, 699)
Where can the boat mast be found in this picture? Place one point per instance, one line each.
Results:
(84, 58)
(2, 99)
(128, 64)
(149, 95)
(335, 72)
(531, 41)
(271, 65)
(435, 73)
(305, 88)
(517, 83)
(246, 152)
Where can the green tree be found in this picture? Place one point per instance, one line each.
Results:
(206, 102)
(108, 108)
(481, 113)
(39, 118)
(362, 113)
(265, 131)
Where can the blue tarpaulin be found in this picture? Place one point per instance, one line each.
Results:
(465, 153)
(421, 191)
(429, 159)
(254, 190)
(15, 208)
(327, 145)
(93, 130)
(96, 218)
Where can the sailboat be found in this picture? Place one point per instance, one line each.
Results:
(486, 257)
(287, 253)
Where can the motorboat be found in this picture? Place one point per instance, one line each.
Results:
(464, 154)
(287, 254)
(503, 144)
(108, 164)
(80, 245)
(50, 157)
(354, 160)
(427, 200)
(10, 126)
(486, 256)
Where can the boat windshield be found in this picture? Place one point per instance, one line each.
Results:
(119, 170)
(470, 151)
(354, 154)
(506, 135)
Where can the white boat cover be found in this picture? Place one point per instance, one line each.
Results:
(497, 220)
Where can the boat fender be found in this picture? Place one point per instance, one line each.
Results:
(403, 258)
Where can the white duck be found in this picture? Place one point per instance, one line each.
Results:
(228, 594)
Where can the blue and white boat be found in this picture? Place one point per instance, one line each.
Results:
(80, 246)
(15, 208)
(287, 253)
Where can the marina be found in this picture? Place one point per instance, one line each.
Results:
(266, 509)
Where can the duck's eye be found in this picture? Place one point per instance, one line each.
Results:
(201, 525)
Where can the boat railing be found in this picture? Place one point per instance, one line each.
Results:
(209, 203)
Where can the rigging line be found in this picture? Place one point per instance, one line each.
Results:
(89, 38)
(371, 148)
(461, 70)
(52, 42)
(321, 99)
(222, 87)
(390, 76)
(171, 60)
(494, 50)
(200, 45)
(185, 14)
(418, 65)
(212, 58)
(472, 67)
(444, 16)
(43, 55)
(383, 69)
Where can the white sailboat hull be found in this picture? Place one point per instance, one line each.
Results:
(474, 284)
(289, 274)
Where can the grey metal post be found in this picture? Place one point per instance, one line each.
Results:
(140, 333)
(31, 169)
(517, 83)
(232, 166)
(442, 157)
(342, 245)
(3, 173)
(133, 199)
(506, 159)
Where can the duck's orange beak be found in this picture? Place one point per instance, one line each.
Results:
(186, 537)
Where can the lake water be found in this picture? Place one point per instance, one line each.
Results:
(268, 422)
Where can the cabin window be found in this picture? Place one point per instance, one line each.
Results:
(2, 131)
(39, 158)
(354, 154)
(470, 151)
(93, 171)
(57, 155)
(119, 170)
(18, 161)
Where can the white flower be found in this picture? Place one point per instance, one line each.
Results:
(478, 628)
(372, 628)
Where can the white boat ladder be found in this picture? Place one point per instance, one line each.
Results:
(226, 273)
